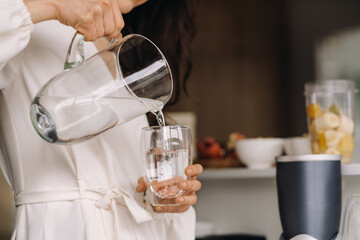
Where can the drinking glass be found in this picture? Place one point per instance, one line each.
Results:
(167, 151)
(125, 80)
(350, 229)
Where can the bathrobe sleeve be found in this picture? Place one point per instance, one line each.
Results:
(15, 30)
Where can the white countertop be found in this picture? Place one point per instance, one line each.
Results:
(352, 169)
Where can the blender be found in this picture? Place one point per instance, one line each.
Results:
(309, 195)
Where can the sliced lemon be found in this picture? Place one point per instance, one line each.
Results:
(322, 142)
(346, 145)
(313, 110)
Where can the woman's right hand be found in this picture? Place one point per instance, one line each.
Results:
(91, 18)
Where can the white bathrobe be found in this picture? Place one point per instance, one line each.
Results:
(82, 191)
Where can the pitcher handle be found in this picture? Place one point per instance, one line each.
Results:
(75, 54)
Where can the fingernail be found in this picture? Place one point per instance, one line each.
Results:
(181, 199)
(159, 209)
(189, 171)
(183, 184)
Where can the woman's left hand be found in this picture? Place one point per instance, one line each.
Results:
(190, 186)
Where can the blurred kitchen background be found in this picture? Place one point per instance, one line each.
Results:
(250, 62)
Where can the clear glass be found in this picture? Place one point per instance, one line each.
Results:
(167, 151)
(330, 109)
(350, 227)
(120, 83)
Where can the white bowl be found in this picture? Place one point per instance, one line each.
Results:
(259, 153)
(297, 145)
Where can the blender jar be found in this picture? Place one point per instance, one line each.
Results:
(330, 110)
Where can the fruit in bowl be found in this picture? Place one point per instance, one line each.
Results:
(259, 153)
(210, 148)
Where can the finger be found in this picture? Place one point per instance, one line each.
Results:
(118, 19)
(171, 209)
(108, 18)
(140, 180)
(193, 170)
(187, 200)
(141, 187)
(190, 185)
(166, 183)
(87, 27)
(89, 33)
(99, 23)
(117, 37)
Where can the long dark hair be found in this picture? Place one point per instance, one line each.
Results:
(171, 25)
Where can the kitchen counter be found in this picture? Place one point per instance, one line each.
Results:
(352, 169)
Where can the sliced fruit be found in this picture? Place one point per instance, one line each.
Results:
(312, 129)
(332, 151)
(313, 110)
(332, 138)
(315, 147)
(346, 147)
(328, 120)
(210, 148)
(322, 142)
(346, 144)
(345, 160)
(335, 109)
(346, 125)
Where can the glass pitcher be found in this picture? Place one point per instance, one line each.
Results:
(127, 79)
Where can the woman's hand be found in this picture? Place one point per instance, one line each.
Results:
(92, 18)
(190, 186)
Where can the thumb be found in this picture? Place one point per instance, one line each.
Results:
(141, 187)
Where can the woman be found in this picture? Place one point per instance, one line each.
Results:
(86, 190)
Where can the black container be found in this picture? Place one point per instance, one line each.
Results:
(309, 195)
